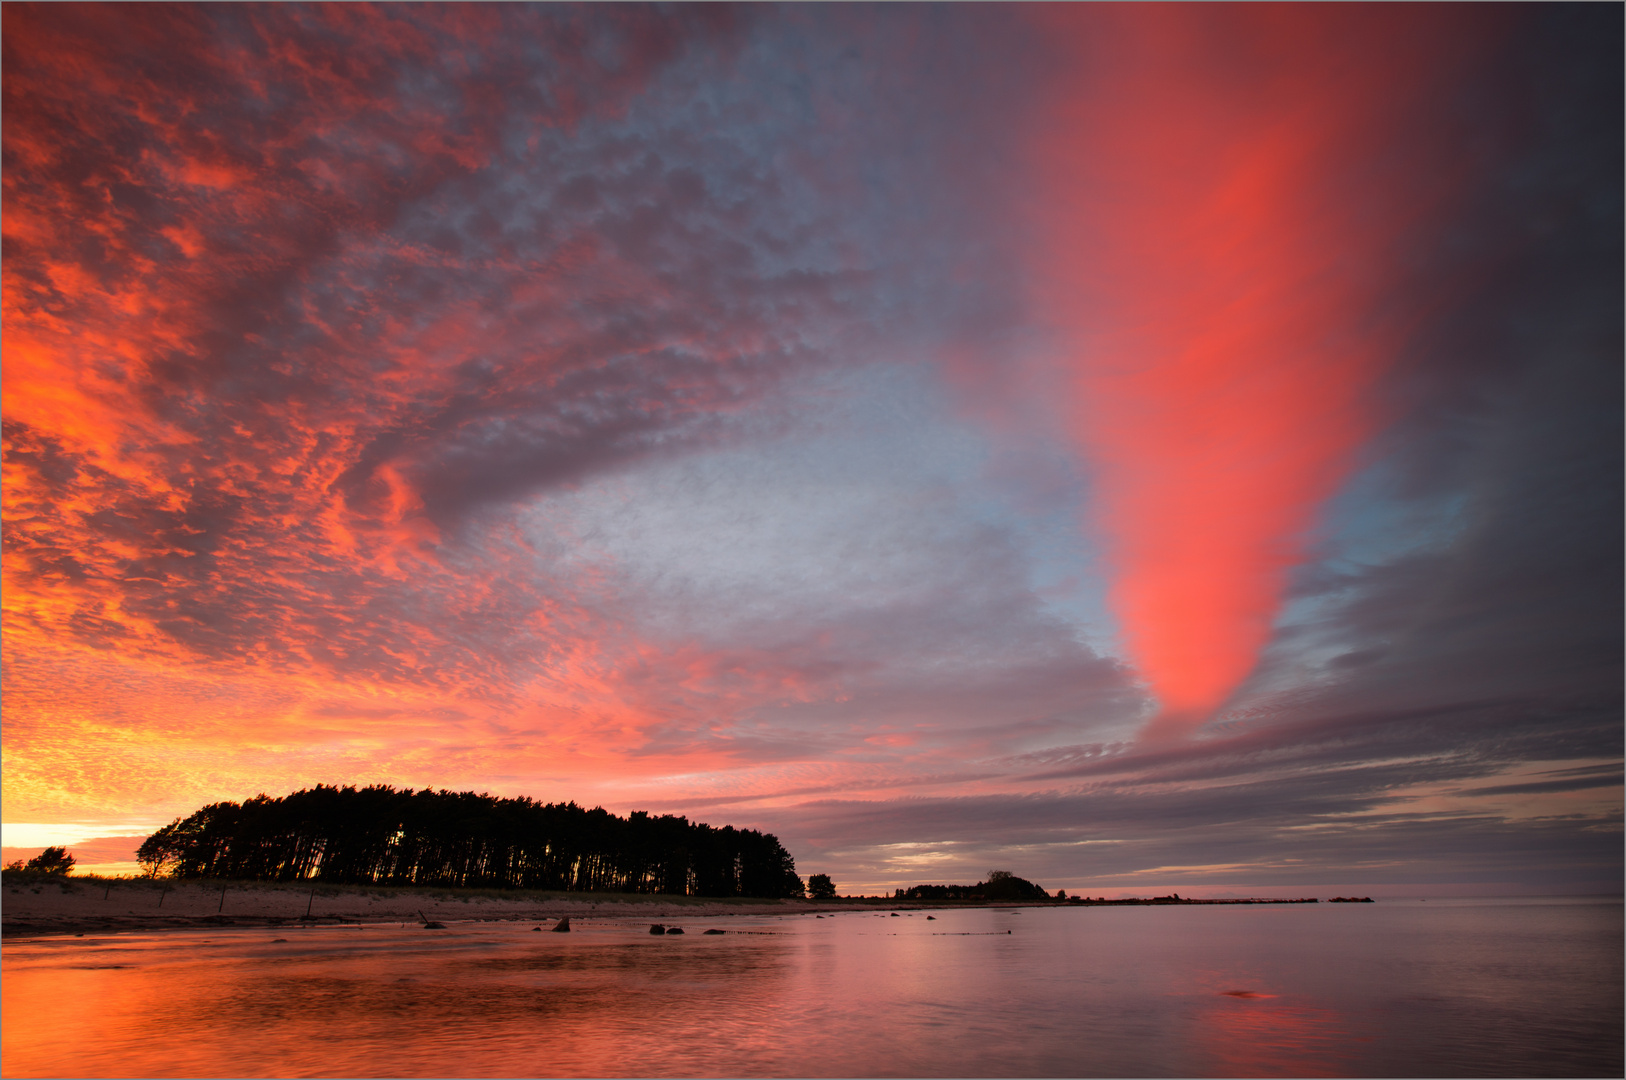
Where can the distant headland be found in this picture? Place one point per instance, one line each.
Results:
(384, 836)
(1003, 886)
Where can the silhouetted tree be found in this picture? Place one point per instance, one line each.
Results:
(820, 887)
(53, 860)
(1004, 885)
(383, 836)
(1001, 885)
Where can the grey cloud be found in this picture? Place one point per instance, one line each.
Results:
(1503, 635)
(1311, 801)
(1582, 783)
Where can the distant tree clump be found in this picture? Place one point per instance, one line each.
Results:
(383, 836)
(53, 860)
(820, 887)
(1001, 885)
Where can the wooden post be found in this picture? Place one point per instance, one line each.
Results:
(163, 893)
(222, 906)
(310, 902)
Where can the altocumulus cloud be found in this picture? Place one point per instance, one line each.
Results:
(685, 409)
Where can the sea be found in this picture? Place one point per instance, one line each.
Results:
(1436, 987)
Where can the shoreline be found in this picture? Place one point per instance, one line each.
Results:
(41, 907)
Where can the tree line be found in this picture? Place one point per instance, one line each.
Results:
(380, 835)
(53, 860)
(1002, 885)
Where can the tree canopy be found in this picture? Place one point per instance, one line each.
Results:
(1001, 885)
(53, 860)
(380, 835)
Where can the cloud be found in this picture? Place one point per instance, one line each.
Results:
(299, 370)
(1222, 249)
(695, 410)
(1387, 799)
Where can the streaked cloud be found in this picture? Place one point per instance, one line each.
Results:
(708, 410)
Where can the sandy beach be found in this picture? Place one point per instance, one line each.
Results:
(31, 907)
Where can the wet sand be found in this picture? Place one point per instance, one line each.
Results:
(33, 908)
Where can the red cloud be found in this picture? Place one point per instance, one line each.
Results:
(1226, 203)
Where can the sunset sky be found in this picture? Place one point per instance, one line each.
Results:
(1134, 446)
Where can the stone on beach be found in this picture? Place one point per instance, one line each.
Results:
(563, 927)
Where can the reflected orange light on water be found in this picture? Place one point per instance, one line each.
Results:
(1261, 1035)
(349, 1001)
(1531, 989)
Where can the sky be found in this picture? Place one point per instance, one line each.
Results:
(1138, 447)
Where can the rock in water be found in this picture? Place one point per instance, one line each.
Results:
(674, 929)
(563, 927)
(714, 930)
(656, 928)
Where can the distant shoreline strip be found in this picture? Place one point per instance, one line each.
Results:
(1165, 901)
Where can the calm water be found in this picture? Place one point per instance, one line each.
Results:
(1405, 988)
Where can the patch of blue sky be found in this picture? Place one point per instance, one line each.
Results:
(878, 501)
(1370, 523)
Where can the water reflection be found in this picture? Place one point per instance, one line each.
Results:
(1119, 992)
(1259, 1036)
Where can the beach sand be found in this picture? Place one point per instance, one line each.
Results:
(30, 907)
